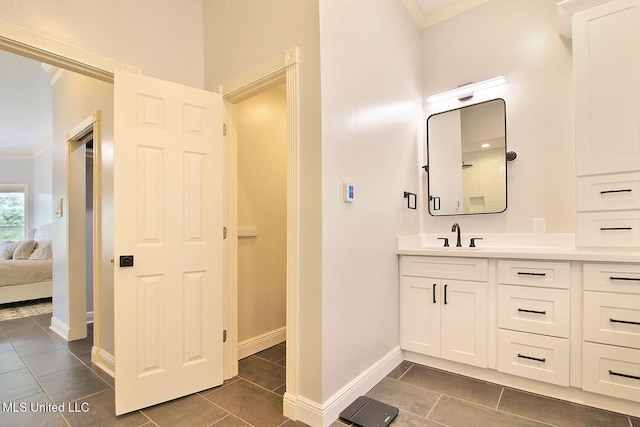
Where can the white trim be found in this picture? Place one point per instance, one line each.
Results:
(284, 67)
(315, 414)
(60, 328)
(567, 8)
(261, 342)
(89, 317)
(33, 45)
(104, 361)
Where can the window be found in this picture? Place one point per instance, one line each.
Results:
(13, 211)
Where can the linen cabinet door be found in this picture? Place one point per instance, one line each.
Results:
(420, 315)
(464, 318)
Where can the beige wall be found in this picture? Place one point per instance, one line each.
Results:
(239, 36)
(262, 204)
(75, 98)
(518, 39)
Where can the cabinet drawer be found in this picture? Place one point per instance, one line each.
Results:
(612, 319)
(474, 269)
(608, 229)
(534, 273)
(612, 278)
(537, 310)
(533, 356)
(610, 370)
(608, 192)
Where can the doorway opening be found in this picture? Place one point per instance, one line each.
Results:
(83, 187)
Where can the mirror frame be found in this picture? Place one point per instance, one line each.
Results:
(506, 181)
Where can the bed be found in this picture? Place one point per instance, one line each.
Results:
(27, 275)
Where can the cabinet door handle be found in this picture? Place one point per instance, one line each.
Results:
(445, 293)
(537, 359)
(524, 310)
(434, 292)
(615, 228)
(626, 190)
(626, 322)
(526, 273)
(618, 374)
(634, 279)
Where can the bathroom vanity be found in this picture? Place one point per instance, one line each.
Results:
(561, 322)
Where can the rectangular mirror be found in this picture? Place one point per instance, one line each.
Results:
(466, 160)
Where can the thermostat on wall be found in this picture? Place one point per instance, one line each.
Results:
(349, 192)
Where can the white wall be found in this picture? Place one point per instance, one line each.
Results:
(520, 40)
(262, 203)
(163, 38)
(239, 36)
(371, 131)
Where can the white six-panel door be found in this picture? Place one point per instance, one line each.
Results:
(168, 216)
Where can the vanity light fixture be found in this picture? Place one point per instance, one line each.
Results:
(466, 91)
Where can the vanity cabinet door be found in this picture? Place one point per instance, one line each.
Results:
(606, 58)
(464, 322)
(420, 315)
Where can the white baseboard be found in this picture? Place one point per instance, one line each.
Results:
(104, 361)
(261, 342)
(316, 414)
(60, 328)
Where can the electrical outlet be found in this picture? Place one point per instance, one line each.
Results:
(538, 226)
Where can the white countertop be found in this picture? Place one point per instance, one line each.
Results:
(491, 247)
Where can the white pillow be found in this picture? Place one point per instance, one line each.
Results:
(6, 249)
(24, 249)
(42, 250)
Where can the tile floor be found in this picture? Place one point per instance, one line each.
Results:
(37, 366)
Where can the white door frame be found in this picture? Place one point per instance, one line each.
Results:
(284, 67)
(76, 227)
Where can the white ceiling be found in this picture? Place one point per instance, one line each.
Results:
(25, 103)
(26, 92)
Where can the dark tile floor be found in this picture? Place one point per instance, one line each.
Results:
(38, 367)
(430, 397)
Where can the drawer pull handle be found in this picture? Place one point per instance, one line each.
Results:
(537, 359)
(524, 310)
(618, 374)
(445, 293)
(434, 292)
(626, 322)
(626, 190)
(635, 279)
(526, 273)
(615, 228)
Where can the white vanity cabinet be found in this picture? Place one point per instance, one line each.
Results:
(611, 330)
(606, 71)
(443, 308)
(534, 308)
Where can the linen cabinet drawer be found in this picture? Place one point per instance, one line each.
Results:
(608, 229)
(538, 310)
(623, 278)
(474, 269)
(534, 273)
(533, 356)
(612, 319)
(610, 370)
(608, 192)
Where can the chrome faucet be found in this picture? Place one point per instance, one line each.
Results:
(456, 227)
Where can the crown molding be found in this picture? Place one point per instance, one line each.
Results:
(426, 20)
(24, 153)
(567, 8)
